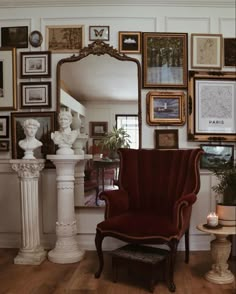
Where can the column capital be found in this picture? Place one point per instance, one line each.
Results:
(27, 168)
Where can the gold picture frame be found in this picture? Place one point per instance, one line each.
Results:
(130, 42)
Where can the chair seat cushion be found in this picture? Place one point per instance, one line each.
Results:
(139, 224)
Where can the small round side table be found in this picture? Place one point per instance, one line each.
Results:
(220, 251)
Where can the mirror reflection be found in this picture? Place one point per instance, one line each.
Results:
(103, 86)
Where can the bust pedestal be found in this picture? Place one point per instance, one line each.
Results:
(28, 171)
(66, 249)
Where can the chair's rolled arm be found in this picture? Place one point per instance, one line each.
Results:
(117, 201)
(182, 210)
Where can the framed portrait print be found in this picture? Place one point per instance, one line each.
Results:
(8, 79)
(229, 56)
(35, 95)
(99, 33)
(98, 129)
(206, 51)
(35, 39)
(166, 139)
(216, 154)
(130, 42)
(47, 122)
(4, 126)
(164, 60)
(165, 108)
(65, 39)
(4, 145)
(35, 64)
(14, 37)
(212, 106)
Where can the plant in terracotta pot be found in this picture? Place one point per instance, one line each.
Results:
(226, 191)
(115, 139)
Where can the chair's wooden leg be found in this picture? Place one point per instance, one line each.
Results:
(98, 243)
(171, 265)
(186, 237)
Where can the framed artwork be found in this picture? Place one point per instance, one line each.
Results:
(130, 42)
(14, 37)
(165, 108)
(206, 51)
(65, 39)
(4, 126)
(35, 95)
(164, 60)
(35, 39)
(47, 122)
(98, 129)
(212, 106)
(99, 33)
(8, 79)
(35, 64)
(229, 57)
(216, 154)
(166, 139)
(4, 145)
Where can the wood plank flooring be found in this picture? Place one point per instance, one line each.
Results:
(78, 278)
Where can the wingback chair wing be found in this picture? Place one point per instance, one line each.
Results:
(153, 204)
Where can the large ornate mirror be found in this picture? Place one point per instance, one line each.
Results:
(104, 82)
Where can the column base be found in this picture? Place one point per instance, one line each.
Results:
(30, 257)
(60, 256)
(224, 278)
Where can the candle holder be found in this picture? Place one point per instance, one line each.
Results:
(212, 219)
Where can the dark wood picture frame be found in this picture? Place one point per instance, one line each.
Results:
(98, 129)
(35, 39)
(14, 37)
(211, 106)
(4, 126)
(165, 60)
(229, 56)
(99, 33)
(4, 145)
(35, 64)
(35, 95)
(167, 139)
(47, 122)
(165, 108)
(130, 42)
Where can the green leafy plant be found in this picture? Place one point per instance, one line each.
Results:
(115, 139)
(226, 186)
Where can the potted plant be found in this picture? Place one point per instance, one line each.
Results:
(115, 139)
(226, 191)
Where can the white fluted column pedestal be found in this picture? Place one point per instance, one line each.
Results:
(28, 171)
(66, 249)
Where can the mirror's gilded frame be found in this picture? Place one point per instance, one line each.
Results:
(100, 48)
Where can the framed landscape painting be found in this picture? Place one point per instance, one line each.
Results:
(165, 60)
(166, 139)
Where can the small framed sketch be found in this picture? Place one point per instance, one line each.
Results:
(206, 51)
(35, 95)
(4, 127)
(229, 52)
(99, 33)
(130, 42)
(98, 129)
(8, 99)
(166, 139)
(65, 39)
(14, 37)
(35, 39)
(165, 108)
(35, 64)
(215, 155)
(4, 145)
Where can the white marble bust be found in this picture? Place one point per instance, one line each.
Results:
(65, 137)
(30, 143)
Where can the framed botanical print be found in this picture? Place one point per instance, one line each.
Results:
(35, 64)
(130, 42)
(165, 108)
(212, 106)
(166, 139)
(99, 33)
(8, 79)
(165, 60)
(14, 37)
(206, 51)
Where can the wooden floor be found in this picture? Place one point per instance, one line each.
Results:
(79, 278)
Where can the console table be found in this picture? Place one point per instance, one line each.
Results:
(220, 251)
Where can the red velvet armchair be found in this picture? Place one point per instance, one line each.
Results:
(153, 204)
